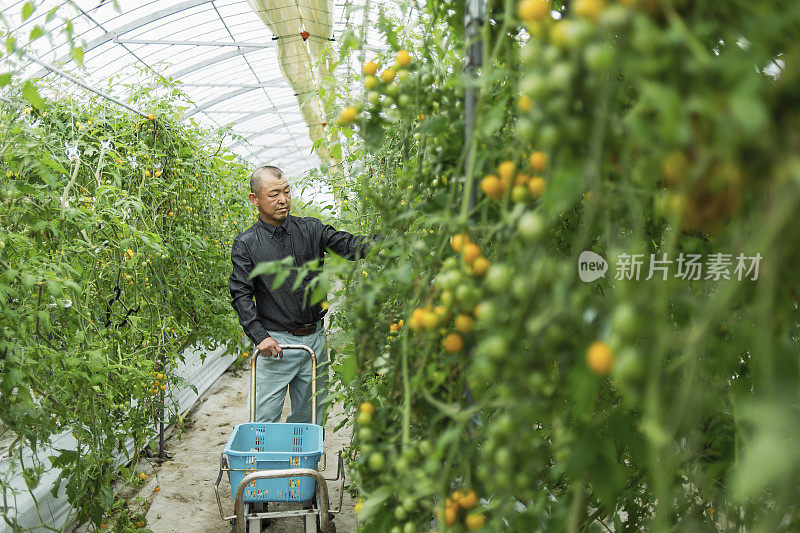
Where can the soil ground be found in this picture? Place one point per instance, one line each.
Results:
(186, 500)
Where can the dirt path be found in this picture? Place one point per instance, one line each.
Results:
(186, 500)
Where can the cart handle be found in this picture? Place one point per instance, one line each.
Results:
(313, 380)
(321, 487)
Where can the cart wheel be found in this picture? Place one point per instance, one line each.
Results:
(246, 509)
(316, 519)
(331, 529)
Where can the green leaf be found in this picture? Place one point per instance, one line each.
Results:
(31, 94)
(5, 79)
(36, 32)
(77, 54)
(373, 503)
(55, 165)
(347, 367)
(27, 11)
(280, 278)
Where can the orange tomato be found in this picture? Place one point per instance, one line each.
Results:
(470, 252)
(536, 186)
(480, 266)
(538, 160)
(493, 187)
(453, 343)
(599, 357)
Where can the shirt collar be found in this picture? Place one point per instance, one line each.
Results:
(271, 229)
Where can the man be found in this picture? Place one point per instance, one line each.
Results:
(281, 316)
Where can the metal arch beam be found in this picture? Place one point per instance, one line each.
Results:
(253, 114)
(296, 158)
(270, 44)
(256, 135)
(125, 28)
(228, 85)
(222, 57)
(293, 123)
(218, 99)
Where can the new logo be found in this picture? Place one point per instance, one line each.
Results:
(591, 266)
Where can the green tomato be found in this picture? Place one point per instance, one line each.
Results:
(392, 90)
(494, 347)
(400, 513)
(374, 98)
(425, 448)
(403, 75)
(499, 277)
(371, 82)
(410, 527)
(625, 321)
(409, 504)
(525, 129)
(376, 461)
(449, 280)
(401, 465)
(466, 294)
(365, 434)
(531, 226)
(519, 194)
(599, 57)
(364, 418)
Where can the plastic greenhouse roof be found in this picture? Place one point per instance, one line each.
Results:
(220, 50)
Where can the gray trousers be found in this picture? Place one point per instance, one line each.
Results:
(273, 376)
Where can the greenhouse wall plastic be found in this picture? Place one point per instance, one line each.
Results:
(200, 369)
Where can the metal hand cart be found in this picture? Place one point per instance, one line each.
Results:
(270, 462)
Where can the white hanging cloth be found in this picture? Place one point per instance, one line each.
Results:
(303, 57)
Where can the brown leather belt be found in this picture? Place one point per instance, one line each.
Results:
(306, 329)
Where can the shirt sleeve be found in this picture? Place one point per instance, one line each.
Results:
(242, 291)
(344, 243)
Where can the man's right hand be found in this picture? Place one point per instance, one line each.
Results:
(269, 347)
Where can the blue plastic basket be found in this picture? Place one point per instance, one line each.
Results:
(263, 446)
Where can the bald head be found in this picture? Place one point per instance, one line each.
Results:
(270, 194)
(262, 176)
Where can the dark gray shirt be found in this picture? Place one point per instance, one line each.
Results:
(305, 239)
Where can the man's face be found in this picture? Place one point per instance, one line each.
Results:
(273, 200)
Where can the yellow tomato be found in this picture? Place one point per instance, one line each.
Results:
(480, 266)
(458, 240)
(599, 357)
(492, 187)
(475, 521)
(403, 58)
(538, 160)
(464, 323)
(387, 76)
(470, 252)
(525, 103)
(505, 170)
(536, 186)
(589, 9)
(533, 10)
(349, 114)
(453, 343)
(370, 68)
(468, 501)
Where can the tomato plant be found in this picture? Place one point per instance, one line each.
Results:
(115, 233)
(619, 128)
